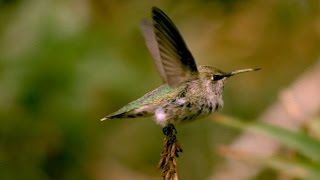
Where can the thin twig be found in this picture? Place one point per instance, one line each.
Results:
(170, 153)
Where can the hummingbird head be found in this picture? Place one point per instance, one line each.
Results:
(213, 80)
(214, 74)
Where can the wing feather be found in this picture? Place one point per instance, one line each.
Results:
(152, 45)
(171, 55)
(177, 61)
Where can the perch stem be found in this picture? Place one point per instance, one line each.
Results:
(170, 153)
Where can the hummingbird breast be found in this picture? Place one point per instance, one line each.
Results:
(198, 99)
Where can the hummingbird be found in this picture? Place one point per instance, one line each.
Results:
(188, 91)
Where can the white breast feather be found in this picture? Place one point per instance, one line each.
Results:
(160, 116)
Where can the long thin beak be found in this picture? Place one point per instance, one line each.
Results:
(241, 71)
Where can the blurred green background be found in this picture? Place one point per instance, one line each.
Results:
(66, 64)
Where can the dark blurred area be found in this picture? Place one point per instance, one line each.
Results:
(66, 64)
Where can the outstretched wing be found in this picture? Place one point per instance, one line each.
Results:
(152, 45)
(176, 63)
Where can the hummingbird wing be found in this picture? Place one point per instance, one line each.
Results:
(173, 60)
(177, 61)
(151, 42)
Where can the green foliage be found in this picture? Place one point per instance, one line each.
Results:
(306, 166)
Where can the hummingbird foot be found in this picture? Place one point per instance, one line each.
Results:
(169, 130)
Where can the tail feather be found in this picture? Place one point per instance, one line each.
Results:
(105, 118)
(130, 114)
(112, 116)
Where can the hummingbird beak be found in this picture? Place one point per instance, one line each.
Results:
(241, 71)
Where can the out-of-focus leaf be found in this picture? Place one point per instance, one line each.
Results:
(295, 169)
(298, 141)
(313, 128)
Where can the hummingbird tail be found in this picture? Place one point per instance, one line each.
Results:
(105, 118)
(129, 114)
(111, 116)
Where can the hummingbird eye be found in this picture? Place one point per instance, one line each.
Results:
(216, 77)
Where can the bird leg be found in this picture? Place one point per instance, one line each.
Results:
(169, 130)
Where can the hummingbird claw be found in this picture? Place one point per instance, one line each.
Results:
(169, 130)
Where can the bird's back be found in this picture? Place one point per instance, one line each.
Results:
(145, 105)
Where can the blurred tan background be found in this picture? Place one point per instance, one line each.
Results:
(66, 64)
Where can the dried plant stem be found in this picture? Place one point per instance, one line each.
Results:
(169, 154)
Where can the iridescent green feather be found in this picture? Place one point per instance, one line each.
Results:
(151, 99)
